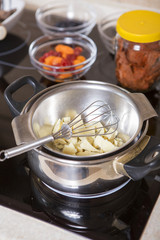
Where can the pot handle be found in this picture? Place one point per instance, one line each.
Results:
(16, 107)
(148, 160)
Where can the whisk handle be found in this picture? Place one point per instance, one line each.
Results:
(12, 152)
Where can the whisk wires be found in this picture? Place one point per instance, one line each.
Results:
(85, 123)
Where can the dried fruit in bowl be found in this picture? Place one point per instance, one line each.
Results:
(64, 57)
(64, 49)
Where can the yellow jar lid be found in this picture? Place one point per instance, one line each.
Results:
(141, 26)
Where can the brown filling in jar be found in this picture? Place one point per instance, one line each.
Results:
(137, 64)
(138, 49)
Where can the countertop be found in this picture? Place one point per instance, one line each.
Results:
(18, 226)
(15, 225)
(152, 229)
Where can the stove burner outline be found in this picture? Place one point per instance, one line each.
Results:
(21, 45)
(90, 196)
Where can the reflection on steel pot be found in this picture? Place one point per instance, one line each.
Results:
(91, 175)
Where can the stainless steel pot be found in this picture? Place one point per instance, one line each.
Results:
(86, 176)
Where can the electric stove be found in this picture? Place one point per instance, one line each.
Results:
(122, 215)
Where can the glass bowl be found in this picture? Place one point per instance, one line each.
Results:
(107, 30)
(66, 16)
(64, 58)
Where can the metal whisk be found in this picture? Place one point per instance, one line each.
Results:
(83, 125)
(96, 112)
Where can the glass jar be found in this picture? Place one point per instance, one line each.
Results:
(138, 49)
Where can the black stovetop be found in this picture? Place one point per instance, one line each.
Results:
(15, 185)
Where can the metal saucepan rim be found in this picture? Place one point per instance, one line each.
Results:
(89, 196)
(29, 104)
(37, 98)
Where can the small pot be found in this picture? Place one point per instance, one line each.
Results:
(93, 175)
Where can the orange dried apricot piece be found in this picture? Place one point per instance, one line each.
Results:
(46, 68)
(48, 60)
(56, 60)
(79, 60)
(64, 49)
(52, 60)
(66, 75)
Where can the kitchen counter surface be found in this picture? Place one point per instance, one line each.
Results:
(18, 226)
(152, 229)
(15, 225)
